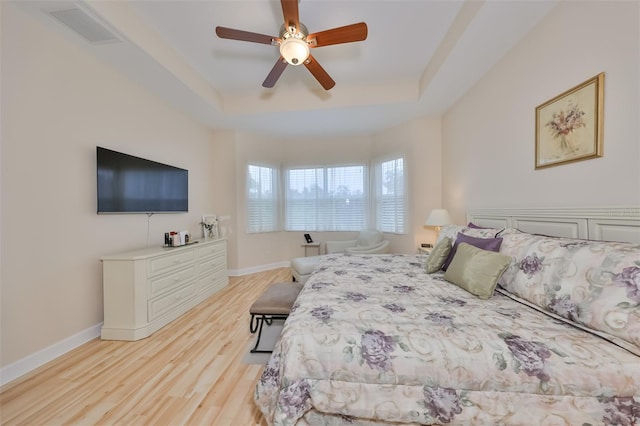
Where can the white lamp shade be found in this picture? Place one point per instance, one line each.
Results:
(438, 217)
(294, 51)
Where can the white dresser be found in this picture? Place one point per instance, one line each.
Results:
(146, 289)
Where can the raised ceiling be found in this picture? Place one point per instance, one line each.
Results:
(418, 59)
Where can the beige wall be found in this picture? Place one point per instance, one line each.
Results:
(58, 104)
(488, 136)
(420, 141)
(257, 250)
(223, 191)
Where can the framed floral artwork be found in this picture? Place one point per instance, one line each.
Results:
(210, 226)
(569, 127)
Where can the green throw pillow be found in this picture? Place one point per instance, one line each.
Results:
(438, 255)
(476, 270)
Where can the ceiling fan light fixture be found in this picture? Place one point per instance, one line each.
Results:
(294, 50)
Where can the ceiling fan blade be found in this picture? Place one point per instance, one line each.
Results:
(346, 34)
(232, 34)
(319, 73)
(290, 12)
(275, 73)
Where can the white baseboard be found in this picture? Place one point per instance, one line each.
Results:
(261, 268)
(37, 359)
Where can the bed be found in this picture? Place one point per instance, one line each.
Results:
(374, 339)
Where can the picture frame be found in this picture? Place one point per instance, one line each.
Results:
(569, 127)
(210, 230)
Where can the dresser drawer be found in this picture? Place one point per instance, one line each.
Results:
(160, 305)
(211, 263)
(214, 277)
(165, 263)
(212, 250)
(161, 284)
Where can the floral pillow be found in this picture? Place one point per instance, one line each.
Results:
(450, 231)
(592, 283)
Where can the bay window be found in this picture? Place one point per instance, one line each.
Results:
(325, 199)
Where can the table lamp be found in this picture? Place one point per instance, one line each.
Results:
(438, 218)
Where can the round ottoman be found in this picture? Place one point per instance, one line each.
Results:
(302, 267)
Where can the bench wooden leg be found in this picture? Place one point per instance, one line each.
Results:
(257, 321)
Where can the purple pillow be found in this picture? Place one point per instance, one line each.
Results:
(491, 244)
(474, 226)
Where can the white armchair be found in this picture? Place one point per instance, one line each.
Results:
(368, 242)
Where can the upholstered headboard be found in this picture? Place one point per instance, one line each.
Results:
(598, 223)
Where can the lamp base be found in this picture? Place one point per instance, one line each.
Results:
(438, 228)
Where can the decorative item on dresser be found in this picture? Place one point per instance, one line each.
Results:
(146, 289)
(210, 226)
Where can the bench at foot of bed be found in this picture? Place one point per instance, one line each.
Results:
(274, 304)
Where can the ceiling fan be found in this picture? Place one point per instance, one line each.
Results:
(295, 42)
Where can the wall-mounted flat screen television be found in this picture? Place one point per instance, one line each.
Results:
(128, 184)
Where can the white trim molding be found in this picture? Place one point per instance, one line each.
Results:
(38, 359)
(590, 223)
(260, 268)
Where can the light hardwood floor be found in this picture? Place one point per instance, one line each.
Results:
(188, 373)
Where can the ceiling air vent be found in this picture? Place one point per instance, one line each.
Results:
(85, 25)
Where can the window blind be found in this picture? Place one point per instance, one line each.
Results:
(262, 199)
(390, 196)
(325, 199)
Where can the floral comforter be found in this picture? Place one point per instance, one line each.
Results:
(375, 340)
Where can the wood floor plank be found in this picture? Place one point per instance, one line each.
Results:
(188, 373)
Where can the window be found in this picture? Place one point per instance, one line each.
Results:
(325, 199)
(390, 196)
(262, 199)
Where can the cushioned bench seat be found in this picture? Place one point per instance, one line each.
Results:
(274, 303)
